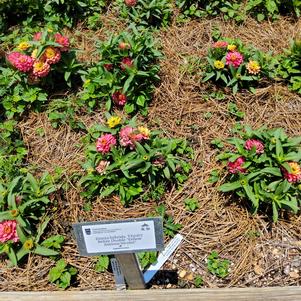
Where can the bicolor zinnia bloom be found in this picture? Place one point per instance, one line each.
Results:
(119, 98)
(127, 137)
(8, 231)
(113, 121)
(63, 41)
(145, 132)
(20, 61)
(23, 46)
(130, 2)
(220, 44)
(236, 166)
(126, 62)
(52, 55)
(231, 47)
(219, 64)
(234, 58)
(294, 175)
(105, 143)
(253, 67)
(259, 146)
(102, 166)
(40, 69)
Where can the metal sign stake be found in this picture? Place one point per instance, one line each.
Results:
(131, 269)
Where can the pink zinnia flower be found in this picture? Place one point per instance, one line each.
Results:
(63, 41)
(234, 58)
(236, 166)
(37, 36)
(119, 98)
(259, 146)
(8, 231)
(105, 142)
(20, 61)
(126, 62)
(130, 2)
(295, 175)
(102, 166)
(127, 137)
(220, 44)
(40, 69)
(52, 55)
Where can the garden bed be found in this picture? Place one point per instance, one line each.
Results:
(261, 253)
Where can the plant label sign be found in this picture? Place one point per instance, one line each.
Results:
(119, 236)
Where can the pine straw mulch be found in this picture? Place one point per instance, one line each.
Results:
(261, 253)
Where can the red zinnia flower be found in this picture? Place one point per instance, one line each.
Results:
(236, 166)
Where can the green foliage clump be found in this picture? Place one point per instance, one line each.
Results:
(290, 66)
(62, 274)
(145, 13)
(216, 266)
(136, 163)
(264, 169)
(128, 70)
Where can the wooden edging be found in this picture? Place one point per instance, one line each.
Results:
(222, 294)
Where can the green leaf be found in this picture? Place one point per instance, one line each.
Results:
(230, 186)
(45, 251)
(102, 264)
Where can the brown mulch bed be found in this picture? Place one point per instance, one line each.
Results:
(261, 253)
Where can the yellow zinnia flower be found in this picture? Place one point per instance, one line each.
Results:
(253, 67)
(231, 47)
(144, 131)
(23, 46)
(219, 65)
(113, 121)
(28, 244)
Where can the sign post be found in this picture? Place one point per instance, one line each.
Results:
(122, 238)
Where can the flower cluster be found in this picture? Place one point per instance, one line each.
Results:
(35, 60)
(128, 136)
(265, 167)
(235, 65)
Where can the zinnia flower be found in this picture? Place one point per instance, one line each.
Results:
(119, 98)
(63, 41)
(231, 47)
(123, 45)
(40, 69)
(28, 244)
(113, 121)
(259, 146)
(105, 143)
(236, 166)
(20, 61)
(145, 132)
(23, 46)
(219, 65)
(102, 166)
(295, 174)
(52, 55)
(130, 2)
(108, 67)
(8, 231)
(37, 36)
(220, 44)
(126, 62)
(234, 58)
(127, 137)
(253, 67)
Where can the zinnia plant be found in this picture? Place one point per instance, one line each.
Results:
(131, 161)
(126, 75)
(23, 219)
(265, 169)
(232, 64)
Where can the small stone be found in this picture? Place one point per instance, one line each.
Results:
(182, 274)
(294, 275)
(258, 269)
(168, 285)
(286, 270)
